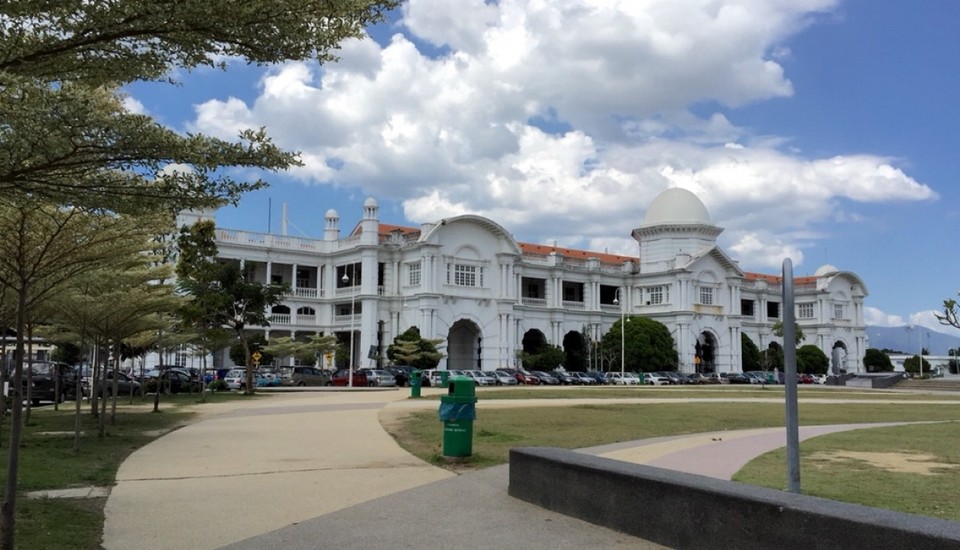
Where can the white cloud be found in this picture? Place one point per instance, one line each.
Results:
(875, 317)
(571, 110)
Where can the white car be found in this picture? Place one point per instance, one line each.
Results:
(655, 379)
(235, 378)
(480, 377)
(503, 378)
(617, 379)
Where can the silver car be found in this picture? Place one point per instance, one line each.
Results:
(503, 378)
(480, 377)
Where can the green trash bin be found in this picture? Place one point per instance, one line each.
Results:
(458, 410)
(415, 382)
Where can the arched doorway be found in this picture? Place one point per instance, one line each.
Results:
(464, 344)
(533, 341)
(705, 352)
(574, 351)
(838, 358)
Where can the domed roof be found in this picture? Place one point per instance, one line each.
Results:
(370, 202)
(676, 205)
(332, 214)
(825, 269)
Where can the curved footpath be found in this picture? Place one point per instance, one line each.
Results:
(316, 469)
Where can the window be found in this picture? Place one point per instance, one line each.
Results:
(413, 274)
(655, 295)
(773, 310)
(805, 311)
(706, 295)
(746, 308)
(464, 275)
(838, 311)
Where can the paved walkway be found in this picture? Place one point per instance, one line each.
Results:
(312, 470)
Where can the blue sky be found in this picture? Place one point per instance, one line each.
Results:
(820, 130)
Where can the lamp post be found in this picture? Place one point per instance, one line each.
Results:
(616, 301)
(353, 299)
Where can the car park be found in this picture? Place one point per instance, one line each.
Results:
(303, 376)
(171, 380)
(597, 376)
(546, 378)
(522, 376)
(50, 382)
(584, 379)
(737, 378)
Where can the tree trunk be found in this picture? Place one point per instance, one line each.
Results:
(102, 417)
(249, 363)
(9, 506)
(116, 383)
(29, 402)
(94, 377)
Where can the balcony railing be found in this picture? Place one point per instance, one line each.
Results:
(533, 302)
(346, 319)
(572, 304)
(708, 309)
(610, 308)
(279, 318)
(304, 292)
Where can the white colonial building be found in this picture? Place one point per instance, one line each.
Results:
(467, 281)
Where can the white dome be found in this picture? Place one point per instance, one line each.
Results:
(825, 269)
(676, 205)
(370, 203)
(332, 214)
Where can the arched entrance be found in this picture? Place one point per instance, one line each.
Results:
(464, 344)
(704, 352)
(574, 351)
(533, 341)
(838, 358)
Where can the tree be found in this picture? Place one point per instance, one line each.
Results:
(647, 344)
(316, 346)
(67, 137)
(813, 359)
(875, 360)
(546, 358)
(247, 305)
(912, 365)
(778, 330)
(772, 357)
(751, 354)
(409, 348)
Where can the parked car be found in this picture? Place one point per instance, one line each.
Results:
(737, 378)
(803, 378)
(47, 378)
(303, 376)
(566, 378)
(655, 379)
(522, 376)
(234, 378)
(597, 376)
(342, 378)
(584, 378)
(125, 384)
(401, 373)
(697, 378)
(170, 379)
(379, 378)
(479, 377)
(274, 375)
(716, 378)
(503, 378)
(618, 379)
(546, 378)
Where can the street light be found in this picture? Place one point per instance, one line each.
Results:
(353, 299)
(616, 301)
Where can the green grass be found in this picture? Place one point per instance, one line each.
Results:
(703, 392)
(48, 461)
(857, 481)
(498, 430)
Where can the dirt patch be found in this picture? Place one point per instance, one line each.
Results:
(908, 463)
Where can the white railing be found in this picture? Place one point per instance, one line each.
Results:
(570, 304)
(348, 291)
(310, 320)
(610, 308)
(303, 292)
(260, 239)
(533, 302)
(279, 318)
(346, 319)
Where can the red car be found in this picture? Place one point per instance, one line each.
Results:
(805, 379)
(522, 376)
(342, 378)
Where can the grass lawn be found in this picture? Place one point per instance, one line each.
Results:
(913, 469)
(577, 426)
(48, 461)
(707, 392)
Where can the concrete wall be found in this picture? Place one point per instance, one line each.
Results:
(688, 511)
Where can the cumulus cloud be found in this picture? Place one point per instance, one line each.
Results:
(875, 317)
(563, 120)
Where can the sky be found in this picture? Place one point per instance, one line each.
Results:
(819, 130)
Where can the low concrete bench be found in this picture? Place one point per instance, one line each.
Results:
(689, 511)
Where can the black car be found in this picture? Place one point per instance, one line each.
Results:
(44, 384)
(125, 384)
(401, 373)
(566, 378)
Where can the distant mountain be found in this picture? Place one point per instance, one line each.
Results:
(904, 339)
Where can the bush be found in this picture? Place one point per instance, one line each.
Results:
(217, 385)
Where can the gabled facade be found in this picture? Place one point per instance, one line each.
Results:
(465, 280)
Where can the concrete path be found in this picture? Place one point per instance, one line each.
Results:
(316, 470)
